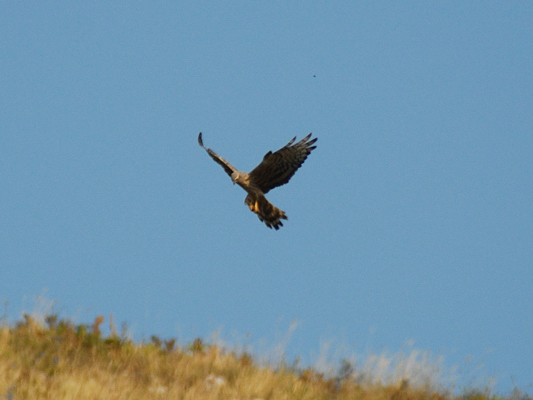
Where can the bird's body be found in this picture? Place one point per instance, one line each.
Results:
(275, 170)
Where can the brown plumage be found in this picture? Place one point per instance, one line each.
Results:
(275, 170)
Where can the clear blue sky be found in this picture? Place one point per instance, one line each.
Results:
(412, 220)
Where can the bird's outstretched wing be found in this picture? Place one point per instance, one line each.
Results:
(277, 168)
(226, 165)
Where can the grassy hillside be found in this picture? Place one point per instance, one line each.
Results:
(59, 360)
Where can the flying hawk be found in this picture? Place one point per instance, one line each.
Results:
(275, 170)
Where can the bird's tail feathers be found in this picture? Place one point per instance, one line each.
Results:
(267, 212)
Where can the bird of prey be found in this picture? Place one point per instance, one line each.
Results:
(275, 170)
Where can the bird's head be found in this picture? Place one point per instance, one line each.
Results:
(238, 177)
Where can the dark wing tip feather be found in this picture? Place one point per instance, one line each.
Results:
(291, 142)
(200, 141)
(312, 141)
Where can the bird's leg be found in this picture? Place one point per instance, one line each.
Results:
(254, 207)
(253, 203)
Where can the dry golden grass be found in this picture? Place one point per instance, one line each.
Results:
(59, 360)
